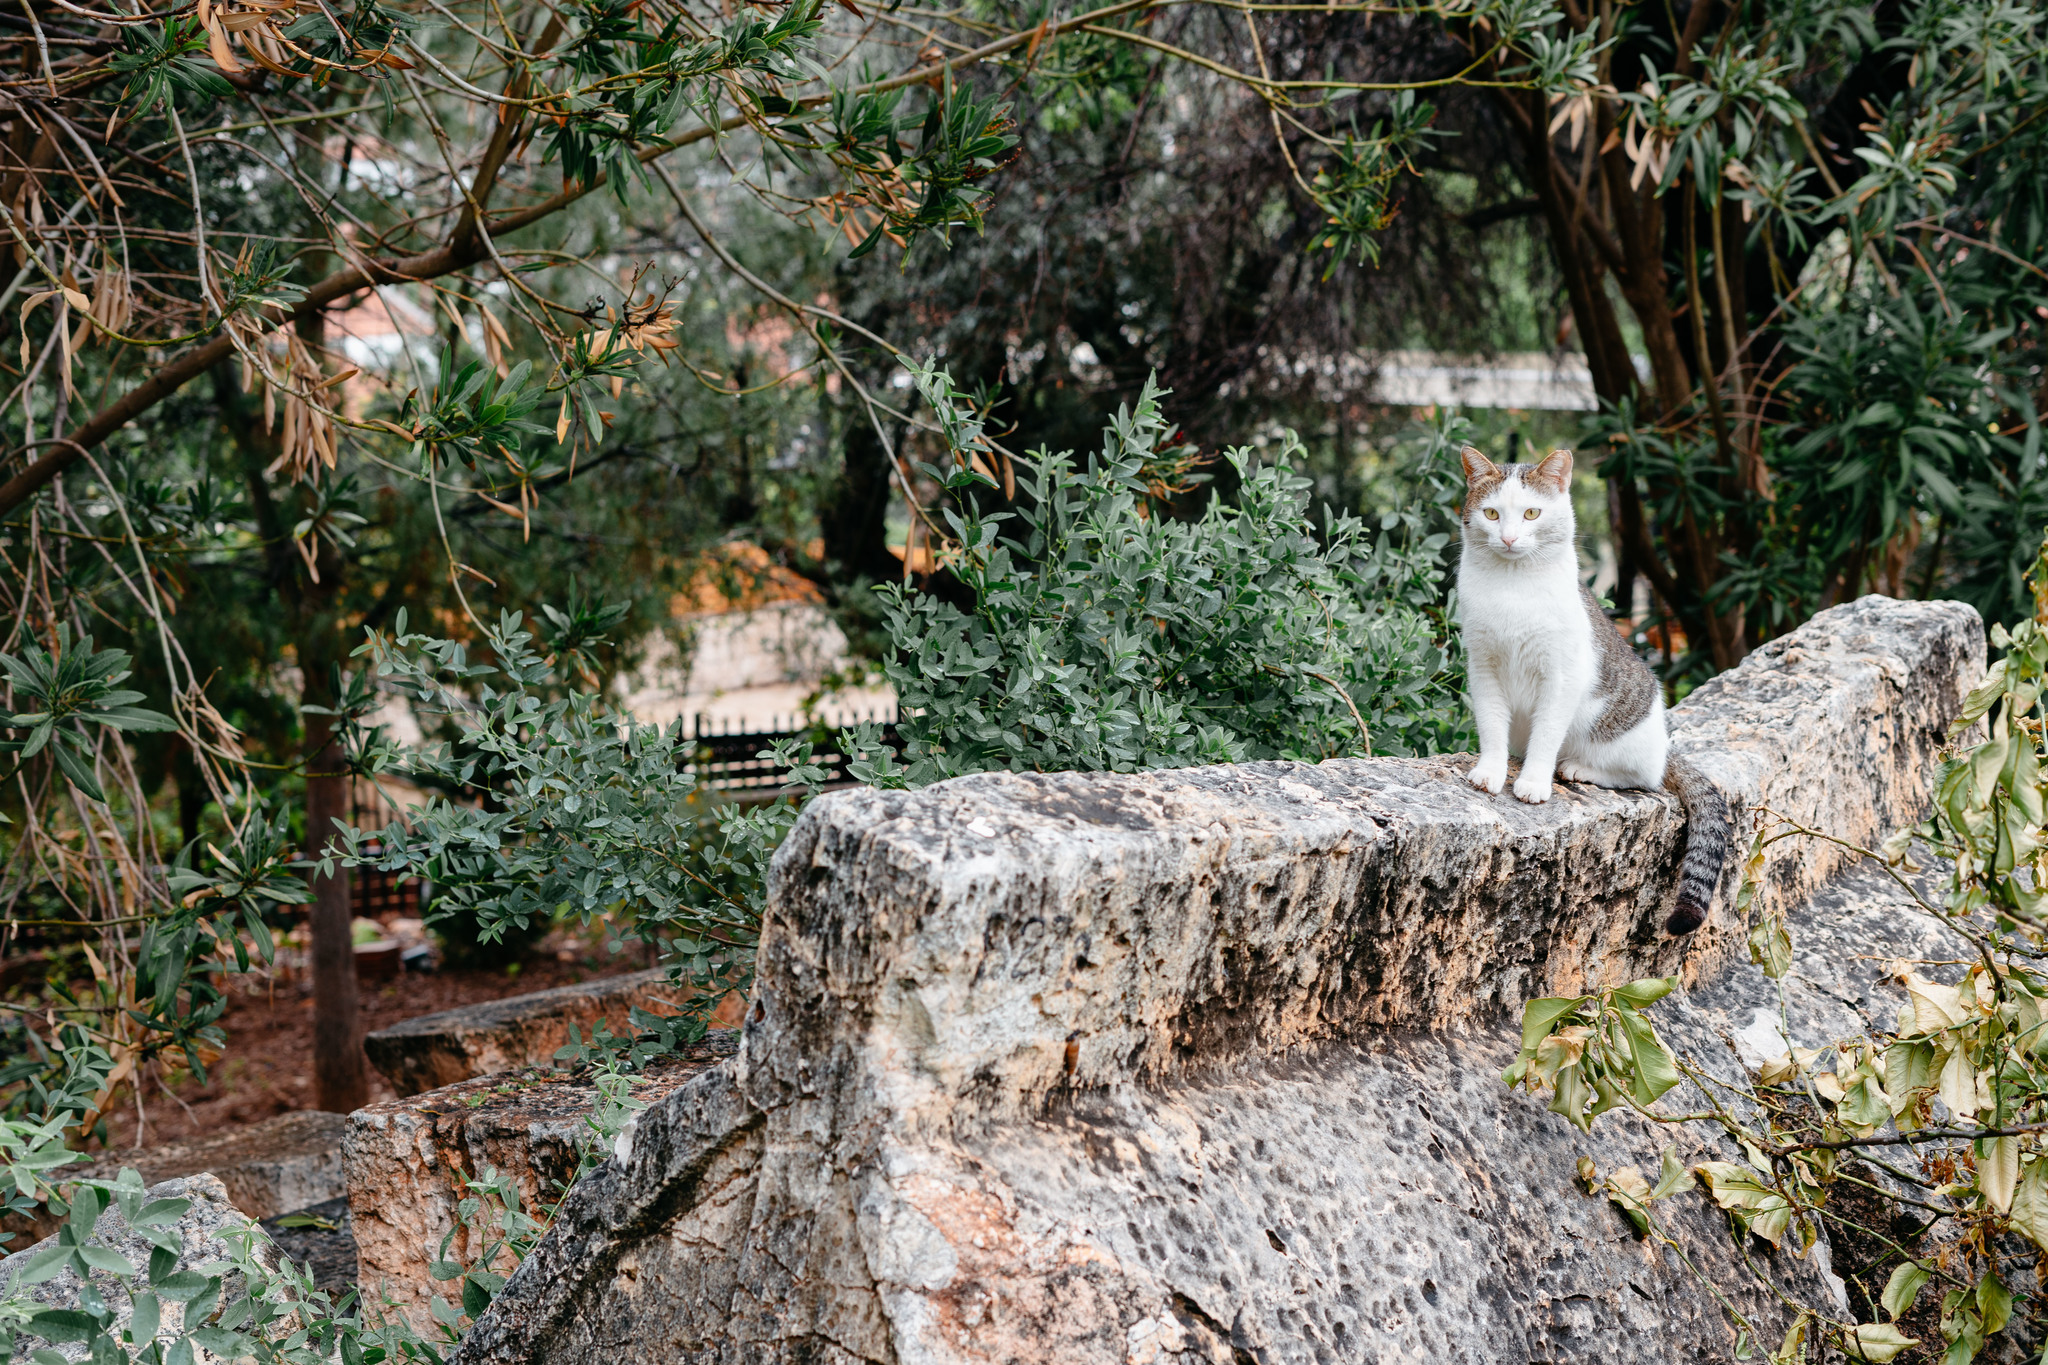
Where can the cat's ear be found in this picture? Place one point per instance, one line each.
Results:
(1479, 469)
(1555, 473)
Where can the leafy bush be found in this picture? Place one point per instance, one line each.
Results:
(567, 806)
(157, 993)
(465, 939)
(250, 1304)
(1106, 635)
(1945, 1114)
(1110, 637)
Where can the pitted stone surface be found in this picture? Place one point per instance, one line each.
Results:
(1204, 1065)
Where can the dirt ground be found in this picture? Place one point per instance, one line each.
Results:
(267, 1068)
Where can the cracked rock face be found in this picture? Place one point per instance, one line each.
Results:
(1203, 1065)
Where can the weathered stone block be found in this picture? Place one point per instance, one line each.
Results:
(407, 1161)
(267, 1168)
(1204, 1065)
(440, 1049)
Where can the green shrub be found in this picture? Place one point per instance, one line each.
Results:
(1105, 635)
(459, 933)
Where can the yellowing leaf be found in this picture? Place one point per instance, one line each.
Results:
(1959, 1085)
(1770, 1221)
(1981, 699)
(1793, 1350)
(1560, 1050)
(1865, 1104)
(1877, 1342)
(1998, 1172)
(1731, 1184)
(1571, 1097)
(1770, 947)
(1908, 1067)
(2030, 1205)
(217, 47)
(1671, 1177)
(1935, 1006)
(1538, 1016)
(1627, 1189)
(1752, 875)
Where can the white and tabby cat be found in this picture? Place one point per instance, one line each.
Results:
(1551, 678)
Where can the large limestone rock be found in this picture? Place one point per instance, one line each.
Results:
(1203, 1065)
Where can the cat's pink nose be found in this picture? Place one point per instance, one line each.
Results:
(1507, 540)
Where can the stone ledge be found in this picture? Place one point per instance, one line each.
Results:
(1087, 1068)
(1013, 935)
(434, 1050)
(285, 1162)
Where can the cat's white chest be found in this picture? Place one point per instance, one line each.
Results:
(1526, 630)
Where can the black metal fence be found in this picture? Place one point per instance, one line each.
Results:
(728, 758)
(373, 892)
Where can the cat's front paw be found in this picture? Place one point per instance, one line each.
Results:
(1489, 776)
(1532, 787)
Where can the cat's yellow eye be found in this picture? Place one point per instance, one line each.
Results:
(1532, 514)
(1492, 514)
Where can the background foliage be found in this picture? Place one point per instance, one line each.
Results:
(332, 314)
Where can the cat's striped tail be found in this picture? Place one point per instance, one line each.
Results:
(1706, 844)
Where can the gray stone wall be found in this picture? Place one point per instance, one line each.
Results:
(1204, 1065)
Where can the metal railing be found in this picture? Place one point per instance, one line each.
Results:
(727, 756)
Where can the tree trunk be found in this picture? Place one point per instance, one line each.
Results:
(341, 1080)
(855, 522)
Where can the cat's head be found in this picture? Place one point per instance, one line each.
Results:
(1519, 511)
